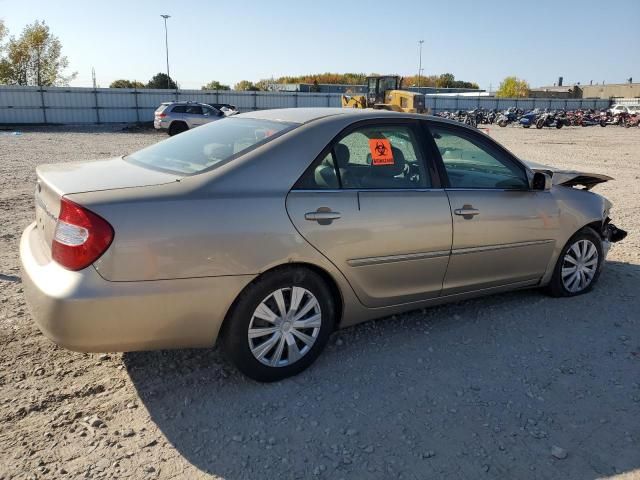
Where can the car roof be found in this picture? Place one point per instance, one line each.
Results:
(304, 115)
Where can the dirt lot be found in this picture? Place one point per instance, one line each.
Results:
(479, 389)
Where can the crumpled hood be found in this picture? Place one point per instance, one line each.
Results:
(569, 178)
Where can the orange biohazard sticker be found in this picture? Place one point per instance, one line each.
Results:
(381, 153)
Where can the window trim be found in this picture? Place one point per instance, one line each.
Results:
(494, 148)
(421, 142)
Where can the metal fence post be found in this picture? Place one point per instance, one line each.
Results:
(457, 102)
(135, 96)
(217, 96)
(435, 104)
(44, 106)
(255, 100)
(328, 100)
(95, 96)
(295, 99)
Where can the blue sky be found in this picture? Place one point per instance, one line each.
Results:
(481, 41)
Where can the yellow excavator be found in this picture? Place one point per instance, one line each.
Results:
(385, 93)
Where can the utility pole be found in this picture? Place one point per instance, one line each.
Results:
(93, 77)
(420, 42)
(166, 44)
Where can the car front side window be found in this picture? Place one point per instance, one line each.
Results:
(471, 164)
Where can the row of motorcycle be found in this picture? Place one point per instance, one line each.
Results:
(540, 118)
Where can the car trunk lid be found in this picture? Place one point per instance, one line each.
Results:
(55, 181)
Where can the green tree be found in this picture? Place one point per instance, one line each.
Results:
(215, 85)
(162, 80)
(245, 85)
(122, 83)
(513, 87)
(34, 58)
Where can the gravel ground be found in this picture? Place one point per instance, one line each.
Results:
(511, 386)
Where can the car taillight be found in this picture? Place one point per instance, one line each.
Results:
(161, 115)
(81, 236)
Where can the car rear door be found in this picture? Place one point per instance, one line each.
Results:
(373, 205)
(503, 232)
(194, 116)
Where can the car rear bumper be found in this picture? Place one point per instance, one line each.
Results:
(82, 311)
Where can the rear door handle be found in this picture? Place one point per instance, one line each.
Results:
(467, 212)
(323, 216)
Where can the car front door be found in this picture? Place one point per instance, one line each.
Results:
(503, 231)
(373, 205)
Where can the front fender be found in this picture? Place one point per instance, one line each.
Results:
(577, 209)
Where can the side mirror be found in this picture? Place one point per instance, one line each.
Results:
(541, 181)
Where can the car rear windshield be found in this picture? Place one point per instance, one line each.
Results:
(209, 146)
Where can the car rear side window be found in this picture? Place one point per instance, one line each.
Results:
(179, 109)
(381, 157)
(209, 146)
(370, 157)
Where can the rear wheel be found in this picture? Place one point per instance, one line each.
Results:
(578, 266)
(539, 124)
(280, 324)
(177, 127)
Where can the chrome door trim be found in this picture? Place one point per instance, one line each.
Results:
(489, 248)
(362, 262)
(364, 190)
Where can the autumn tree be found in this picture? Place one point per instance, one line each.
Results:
(513, 87)
(122, 83)
(34, 58)
(245, 85)
(162, 80)
(215, 85)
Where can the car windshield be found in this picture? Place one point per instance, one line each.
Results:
(209, 146)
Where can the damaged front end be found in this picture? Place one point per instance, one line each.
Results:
(610, 234)
(584, 181)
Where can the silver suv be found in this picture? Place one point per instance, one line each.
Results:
(176, 117)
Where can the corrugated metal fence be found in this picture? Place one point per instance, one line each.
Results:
(439, 103)
(63, 105)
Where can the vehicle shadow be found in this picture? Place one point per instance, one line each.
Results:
(479, 388)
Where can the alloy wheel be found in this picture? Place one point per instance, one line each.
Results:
(579, 265)
(284, 326)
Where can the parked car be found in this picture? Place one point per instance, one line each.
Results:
(227, 108)
(178, 117)
(268, 230)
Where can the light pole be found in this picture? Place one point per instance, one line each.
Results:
(420, 42)
(166, 44)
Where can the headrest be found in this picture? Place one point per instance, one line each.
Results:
(389, 170)
(342, 154)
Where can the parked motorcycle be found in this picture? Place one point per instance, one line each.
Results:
(550, 119)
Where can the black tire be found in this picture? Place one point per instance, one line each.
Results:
(177, 127)
(603, 123)
(558, 124)
(556, 286)
(234, 335)
(502, 123)
(539, 124)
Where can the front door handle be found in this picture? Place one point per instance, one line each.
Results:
(467, 212)
(324, 216)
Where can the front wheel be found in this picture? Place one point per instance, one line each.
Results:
(578, 265)
(280, 324)
(539, 124)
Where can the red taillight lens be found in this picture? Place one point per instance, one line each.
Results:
(161, 115)
(81, 236)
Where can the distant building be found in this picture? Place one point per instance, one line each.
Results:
(562, 91)
(319, 88)
(355, 89)
(611, 90)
